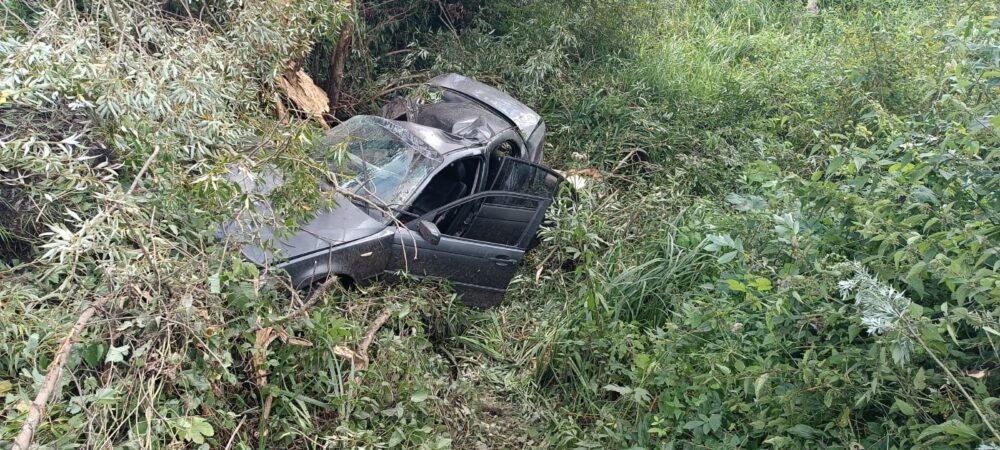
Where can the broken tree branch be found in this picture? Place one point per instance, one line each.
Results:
(304, 94)
(360, 357)
(376, 325)
(311, 300)
(24, 437)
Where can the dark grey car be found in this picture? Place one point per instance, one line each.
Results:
(449, 188)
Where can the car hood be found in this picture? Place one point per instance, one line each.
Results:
(260, 243)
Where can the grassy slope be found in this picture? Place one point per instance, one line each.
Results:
(688, 303)
(631, 335)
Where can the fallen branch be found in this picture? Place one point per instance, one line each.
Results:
(311, 300)
(142, 171)
(263, 338)
(23, 440)
(541, 266)
(370, 336)
(236, 431)
(360, 357)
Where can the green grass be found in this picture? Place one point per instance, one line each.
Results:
(690, 301)
(691, 318)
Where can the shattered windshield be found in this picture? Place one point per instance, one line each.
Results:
(377, 160)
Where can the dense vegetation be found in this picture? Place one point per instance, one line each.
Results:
(794, 243)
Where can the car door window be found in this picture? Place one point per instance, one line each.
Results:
(523, 177)
(505, 149)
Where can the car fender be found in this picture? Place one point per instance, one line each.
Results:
(357, 260)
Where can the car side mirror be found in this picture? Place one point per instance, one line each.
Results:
(429, 232)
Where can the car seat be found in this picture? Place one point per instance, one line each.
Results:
(447, 186)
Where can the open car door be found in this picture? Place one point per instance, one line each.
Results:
(524, 177)
(481, 240)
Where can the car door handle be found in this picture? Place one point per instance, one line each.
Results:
(502, 260)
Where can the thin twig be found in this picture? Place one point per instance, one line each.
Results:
(261, 428)
(142, 171)
(23, 440)
(359, 359)
(236, 431)
(975, 405)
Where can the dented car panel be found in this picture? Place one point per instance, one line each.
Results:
(523, 117)
(449, 189)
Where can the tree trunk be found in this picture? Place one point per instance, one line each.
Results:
(340, 58)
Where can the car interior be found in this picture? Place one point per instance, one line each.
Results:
(499, 219)
(452, 183)
(496, 220)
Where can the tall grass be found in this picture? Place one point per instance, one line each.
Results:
(723, 329)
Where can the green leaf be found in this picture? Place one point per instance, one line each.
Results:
(93, 353)
(641, 361)
(914, 278)
(758, 386)
(640, 395)
(803, 431)
(904, 407)
(736, 286)
(116, 354)
(692, 424)
(779, 441)
(420, 396)
(214, 284)
(761, 284)
(715, 422)
(748, 203)
(396, 439)
(953, 427)
(727, 257)
(200, 429)
(619, 389)
(194, 429)
(835, 164)
(920, 380)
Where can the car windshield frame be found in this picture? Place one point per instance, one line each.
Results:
(381, 163)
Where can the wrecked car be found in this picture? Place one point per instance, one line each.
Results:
(449, 188)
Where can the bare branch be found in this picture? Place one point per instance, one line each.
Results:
(24, 437)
